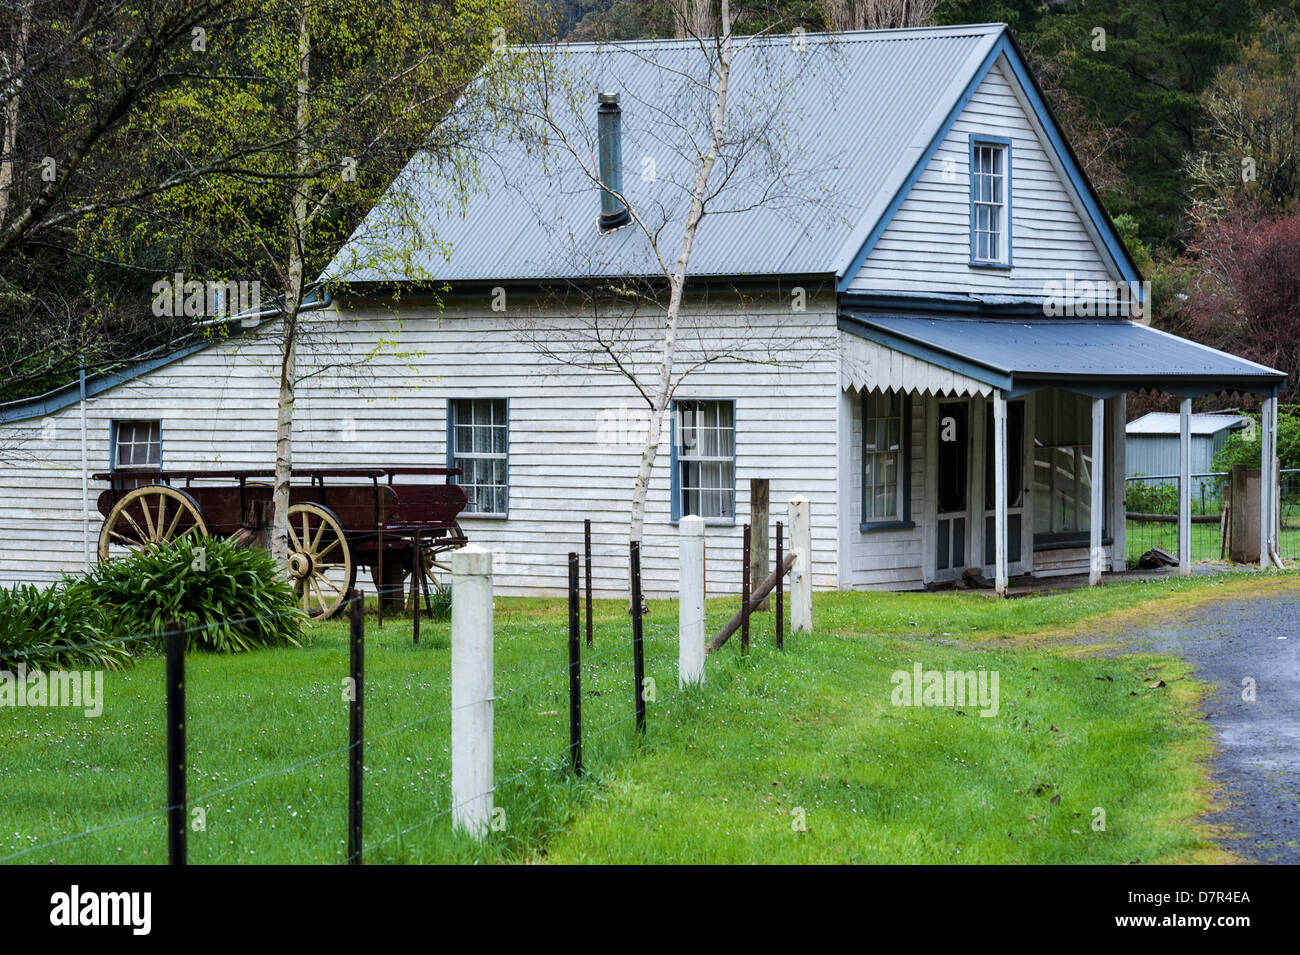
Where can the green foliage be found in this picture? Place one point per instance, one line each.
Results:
(47, 629)
(1240, 449)
(440, 601)
(235, 598)
(1159, 498)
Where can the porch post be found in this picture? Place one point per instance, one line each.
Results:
(1266, 438)
(999, 493)
(1097, 517)
(1185, 487)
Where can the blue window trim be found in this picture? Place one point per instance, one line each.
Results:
(976, 140)
(675, 491)
(450, 446)
(905, 476)
(1005, 47)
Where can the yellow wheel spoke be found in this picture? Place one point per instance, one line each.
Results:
(334, 543)
(315, 543)
(134, 523)
(148, 519)
(162, 510)
(171, 528)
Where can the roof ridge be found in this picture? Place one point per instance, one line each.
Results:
(953, 30)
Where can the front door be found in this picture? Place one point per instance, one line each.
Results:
(952, 489)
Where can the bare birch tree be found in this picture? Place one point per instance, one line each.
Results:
(734, 161)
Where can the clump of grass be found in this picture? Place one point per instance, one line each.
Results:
(60, 626)
(230, 598)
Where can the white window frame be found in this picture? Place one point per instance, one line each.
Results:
(153, 440)
(990, 202)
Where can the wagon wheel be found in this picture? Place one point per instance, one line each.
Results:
(148, 517)
(400, 574)
(320, 560)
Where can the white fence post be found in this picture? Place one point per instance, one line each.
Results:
(801, 572)
(690, 607)
(471, 690)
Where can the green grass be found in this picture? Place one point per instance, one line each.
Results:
(1141, 536)
(716, 777)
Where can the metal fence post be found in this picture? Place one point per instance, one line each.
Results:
(356, 723)
(177, 821)
(575, 672)
(638, 651)
(471, 689)
(744, 589)
(586, 528)
(780, 588)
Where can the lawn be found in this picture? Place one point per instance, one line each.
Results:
(807, 736)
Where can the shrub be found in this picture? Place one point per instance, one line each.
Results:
(1140, 498)
(234, 598)
(48, 629)
(1238, 450)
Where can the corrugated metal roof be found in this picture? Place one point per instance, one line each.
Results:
(1165, 423)
(849, 119)
(1100, 358)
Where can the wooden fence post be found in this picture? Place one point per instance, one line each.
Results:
(690, 607)
(801, 574)
(471, 689)
(759, 518)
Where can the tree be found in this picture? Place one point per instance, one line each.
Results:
(295, 118)
(1245, 294)
(1252, 109)
(725, 157)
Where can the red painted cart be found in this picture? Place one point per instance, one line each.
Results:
(341, 519)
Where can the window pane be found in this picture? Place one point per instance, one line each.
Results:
(706, 441)
(479, 448)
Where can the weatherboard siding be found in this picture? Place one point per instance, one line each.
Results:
(217, 409)
(925, 249)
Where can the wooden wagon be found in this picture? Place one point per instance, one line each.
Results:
(340, 519)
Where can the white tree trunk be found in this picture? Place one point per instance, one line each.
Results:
(663, 390)
(292, 302)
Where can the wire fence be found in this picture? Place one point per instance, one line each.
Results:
(1151, 503)
(603, 669)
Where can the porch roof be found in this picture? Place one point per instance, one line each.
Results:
(1100, 358)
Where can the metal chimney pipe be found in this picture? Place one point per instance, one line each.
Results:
(613, 213)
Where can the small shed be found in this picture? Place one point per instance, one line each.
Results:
(1151, 441)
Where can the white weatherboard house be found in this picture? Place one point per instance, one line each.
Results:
(896, 352)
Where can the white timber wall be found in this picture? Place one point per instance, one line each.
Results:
(217, 409)
(926, 247)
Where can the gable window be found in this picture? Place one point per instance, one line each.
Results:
(704, 460)
(478, 442)
(990, 202)
(886, 459)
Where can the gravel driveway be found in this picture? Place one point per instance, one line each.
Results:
(1258, 764)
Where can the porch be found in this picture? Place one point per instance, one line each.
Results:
(998, 443)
